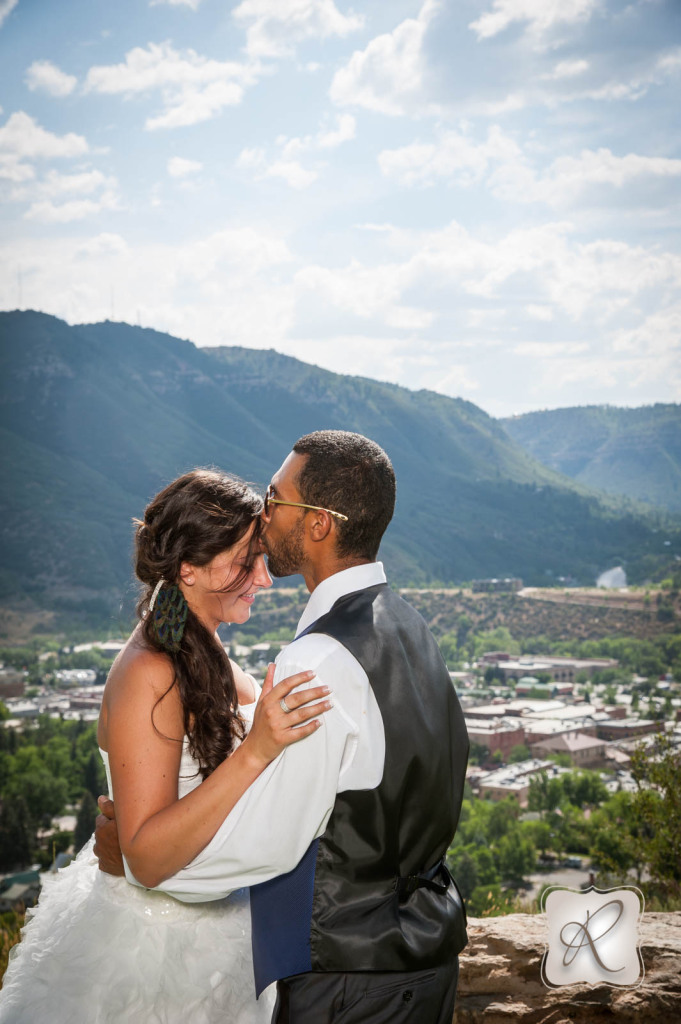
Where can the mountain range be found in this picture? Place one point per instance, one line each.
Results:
(96, 418)
(633, 452)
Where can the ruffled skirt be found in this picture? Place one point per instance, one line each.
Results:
(97, 950)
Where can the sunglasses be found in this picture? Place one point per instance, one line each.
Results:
(270, 500)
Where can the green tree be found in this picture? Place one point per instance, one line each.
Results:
(516, 856)
(478, 754)
(43, 794)
(545, 793)
(540, 834)
(85, 822)
(449, 649)
(464, 869)
(584, 788)
(502, 818)
(489, 901)
(485, 866)
(498, 639)
(94, 776)
(16, 836)
(657, 773)
(617, 844)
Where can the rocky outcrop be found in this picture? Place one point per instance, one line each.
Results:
(500, 982)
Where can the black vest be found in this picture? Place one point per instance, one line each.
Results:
(372, 893)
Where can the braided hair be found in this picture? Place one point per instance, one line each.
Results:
(195, 518)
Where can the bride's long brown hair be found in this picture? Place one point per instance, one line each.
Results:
(192, 520)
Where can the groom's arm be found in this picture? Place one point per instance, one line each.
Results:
(288, 806)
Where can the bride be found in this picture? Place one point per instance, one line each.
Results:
(183, 733)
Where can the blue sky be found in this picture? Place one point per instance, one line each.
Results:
(481, 197)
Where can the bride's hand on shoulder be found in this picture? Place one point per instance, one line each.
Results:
(283, 717)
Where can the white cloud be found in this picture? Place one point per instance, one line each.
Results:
(540, 15)
(664, 66)
(55, 197)
(578, 281)
(292, 171)
(274, 27)
(344, 132)
(243, 286)
(555, 92)
(669, 63)
(48, 212)
(102, 245)
(326, 138)
(367, 292)
(22, 138)
(44, 76)
(658, 335)
(456, 380)
(248, 249)
(543, 313)
(455, 156)
(222, 289)
(287, 165)
(193, 88)
(550, 349)
(389, 75)
(568, 177)
(12, 170)
(6, 8)
(567, 69)
(193, 4)
(179, 167)
(497, 108)
(602, 167)
(499, 161)
(55, 185)
(253, 158)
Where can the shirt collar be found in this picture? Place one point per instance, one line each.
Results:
(324, 597)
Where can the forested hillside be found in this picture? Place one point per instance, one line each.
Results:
(96, 418)
(630, 452)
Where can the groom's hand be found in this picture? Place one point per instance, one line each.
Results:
(107, 848)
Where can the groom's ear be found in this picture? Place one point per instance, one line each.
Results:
(319, 525)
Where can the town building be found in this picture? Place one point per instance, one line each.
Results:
(582, 749)
(508, 584)
(514, 780)
(561, 669)
(499, 733)
(12, 684)
(625, 728)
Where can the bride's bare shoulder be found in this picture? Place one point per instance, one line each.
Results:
(138, 666)
(139, 690)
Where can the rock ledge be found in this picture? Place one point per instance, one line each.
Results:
(500, 982)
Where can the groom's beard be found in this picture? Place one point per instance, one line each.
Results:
(285, 558)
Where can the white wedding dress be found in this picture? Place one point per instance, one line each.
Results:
(98, 950)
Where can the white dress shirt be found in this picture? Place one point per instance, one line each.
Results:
(289, 804)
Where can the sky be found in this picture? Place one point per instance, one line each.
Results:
(479, 197)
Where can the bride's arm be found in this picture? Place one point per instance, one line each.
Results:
(158, 832)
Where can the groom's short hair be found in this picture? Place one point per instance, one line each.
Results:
(351, 474)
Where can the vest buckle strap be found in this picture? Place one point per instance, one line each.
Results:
(406, 885)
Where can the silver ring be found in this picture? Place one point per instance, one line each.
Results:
(284, 707)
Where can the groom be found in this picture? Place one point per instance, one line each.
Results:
(342, 838)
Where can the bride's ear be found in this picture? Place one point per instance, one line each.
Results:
(187, 574)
